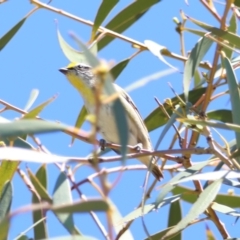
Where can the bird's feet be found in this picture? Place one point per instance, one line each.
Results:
(102, 144)
(138, 147)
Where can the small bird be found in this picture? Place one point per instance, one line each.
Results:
(82, 77)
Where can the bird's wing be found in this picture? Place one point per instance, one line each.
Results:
(135, 117)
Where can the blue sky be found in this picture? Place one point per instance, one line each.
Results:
(31, 61)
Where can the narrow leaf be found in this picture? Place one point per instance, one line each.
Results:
(10, 34)
(234, 96)
(223, 115)
(124, 19)
(191, 65)
(80, 207)
(157, 118)
(36, 111)
(33, 96)
(156, 50)
(5, 200)
(62, 195)
(73, 55)
(103, 11)
(22, 127)
(169, 187)
(40, 184)
(174, 217)
(202, 203)
(189, 196)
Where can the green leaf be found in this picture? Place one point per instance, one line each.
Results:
(159, 235)
(10, 34)
(124, 19)
(148, 208)
(72, 238)
(191, 65)
(80, 119)
(157, 118)
(202, 203)
(169, 187)
(22, 127)
(40, 184)
(118, 68)
(222, 115)
(227, 126)
(116, 218)
(62, 195)
(4, 227)
(81, 207)
(197, 79)
(73, 55)
(174, 217)
(234, 96)
(231, 200)
(7, 170)
(232, 38)
(33, 96)
(41, 190)
(103, 11)
(35, 112)
(231, 28)
(5, 200)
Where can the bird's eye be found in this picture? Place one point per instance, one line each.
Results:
(82, 67)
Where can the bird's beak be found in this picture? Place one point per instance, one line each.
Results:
(63, 70)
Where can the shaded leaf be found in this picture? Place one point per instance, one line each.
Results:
(174, 217)
(148, 208)
(169, 187)
(5, 200)
(41, 190)
(232, 38)
(10, 34)
(227, 126)
(234, 96)
(202, 203)
(72, 238)
(81, 206)
(103, 11)
(118, 68)
(124, 19)
(40, 184)
(80, 119)
(222, 115)
(62, 195)
(157, 118)
(189, 196)
(191, 65)
(159, 235)
(231, 28)
(4, 227)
